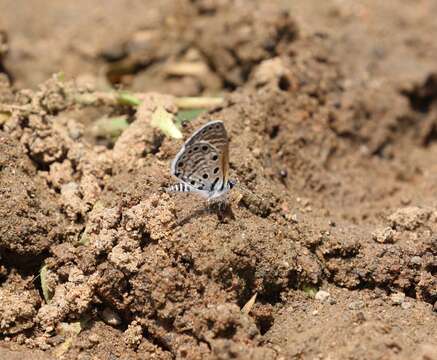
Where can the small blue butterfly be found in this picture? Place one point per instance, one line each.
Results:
(202, 165)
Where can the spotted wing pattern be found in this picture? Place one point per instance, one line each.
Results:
(203, 161)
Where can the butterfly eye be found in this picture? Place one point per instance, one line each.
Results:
(204, 148)
(214, 158)
(218, 126)
(216, 170)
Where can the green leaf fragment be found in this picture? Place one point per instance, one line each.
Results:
(163, 120)
(69, 329)
(125, 98)
(110, 128)
(45, 289)
(187, 115)
(60, 76)
(310, 290)
(4, 117)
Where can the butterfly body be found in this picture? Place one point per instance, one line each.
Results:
(202, 164)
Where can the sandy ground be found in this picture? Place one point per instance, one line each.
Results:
(331, 111)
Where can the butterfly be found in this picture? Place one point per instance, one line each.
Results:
(202, 164)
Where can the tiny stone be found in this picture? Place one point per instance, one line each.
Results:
(315, 312)
(405, 201)
(360, 318)
(332, 301)
(397, 298)
(322, 295)
(74, 133)
(416, 260)
(94, 338)
(110, 317)
(56, 340)
(49, 329)
(20, 339)
(406, 305)
(83, 356)
(356, 305)
(385, 235)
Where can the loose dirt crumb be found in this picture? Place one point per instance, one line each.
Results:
(18, 305)
(410, 218)
(30, 220)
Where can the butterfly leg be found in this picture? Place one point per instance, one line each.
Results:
(218, 204)
(222, 208)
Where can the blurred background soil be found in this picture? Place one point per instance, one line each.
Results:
(331, 110)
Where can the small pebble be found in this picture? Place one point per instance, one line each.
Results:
(94, 338)
(315, 312)
(49, 329)
(356, 305)
(111, 317)
(416, 260)
(406, 305)
(397, 298)
(56, 340)
(360, 317)
(385, 235)
(256, 152)
(322, 296)
(405, 201)
(332, 301)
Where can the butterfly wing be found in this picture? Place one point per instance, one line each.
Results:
(203, 161)
(199, 166)
(213, 133)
